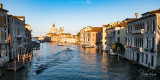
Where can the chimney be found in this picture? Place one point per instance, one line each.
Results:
(1, 6)
(136, 15)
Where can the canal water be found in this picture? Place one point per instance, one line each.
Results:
(78, 64)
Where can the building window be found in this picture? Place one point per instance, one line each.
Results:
(118, 39)
(147, 42)
(6, 47)
(5, 34)
(152, 60)
(153, 25)
(146, 58)
(125, 39)
(152, 43)
(142, 42)
(118, 31)
(142, 56)
(147, 26)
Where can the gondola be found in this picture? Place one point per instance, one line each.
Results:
(40, 68)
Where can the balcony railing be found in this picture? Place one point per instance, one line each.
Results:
(139, 31)
(19, 36)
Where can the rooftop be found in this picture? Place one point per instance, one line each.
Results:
(95, 29)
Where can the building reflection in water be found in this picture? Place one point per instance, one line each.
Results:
(104, 61)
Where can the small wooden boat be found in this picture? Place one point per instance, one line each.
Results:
(40, 68)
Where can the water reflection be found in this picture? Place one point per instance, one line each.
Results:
(76, 64)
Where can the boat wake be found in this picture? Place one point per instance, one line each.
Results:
(56, 59)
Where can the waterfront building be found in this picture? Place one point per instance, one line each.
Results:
(90, 35)
(82, 34)
(4, 42)
(103, 37)
(41, 38)
(17, 32)
(143, 39)
(116, 36)
(28, 37)
(68, 38)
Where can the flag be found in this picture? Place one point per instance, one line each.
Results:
(9, 38)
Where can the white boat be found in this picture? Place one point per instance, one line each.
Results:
(113, 53)
(60, 44)
(88, 46)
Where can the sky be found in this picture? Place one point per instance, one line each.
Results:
(74, 15)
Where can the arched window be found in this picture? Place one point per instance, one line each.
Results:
(142, 56)
(152, 60)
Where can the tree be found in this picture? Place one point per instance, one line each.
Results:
(78, 34)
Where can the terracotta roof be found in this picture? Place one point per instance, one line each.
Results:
(122, 24)
(95, 29)
(19, 17)
(152, 12)
(105, 25)
(142, 18)
(27, 25)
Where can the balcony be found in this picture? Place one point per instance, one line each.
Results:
(19, 36)
(141, 31)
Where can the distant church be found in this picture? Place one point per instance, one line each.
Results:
(55, 31)
(54, 34)
(59, 36)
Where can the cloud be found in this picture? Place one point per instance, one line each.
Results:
(88, 1)
(82, 1)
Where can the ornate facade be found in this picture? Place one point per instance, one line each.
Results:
(143, 40)
(59, 35)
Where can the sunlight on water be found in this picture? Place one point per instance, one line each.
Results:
(76, 63)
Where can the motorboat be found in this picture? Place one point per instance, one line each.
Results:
(67, 48)
(60, 44)
(113, 53)
(40, 68)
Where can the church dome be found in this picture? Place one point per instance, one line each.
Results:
(53, 29)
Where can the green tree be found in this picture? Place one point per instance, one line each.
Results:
(78, 34)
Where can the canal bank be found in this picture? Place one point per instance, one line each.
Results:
(77, 64)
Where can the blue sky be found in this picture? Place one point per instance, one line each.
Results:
(73, 15)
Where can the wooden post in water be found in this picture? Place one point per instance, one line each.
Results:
(23, 59)
(18, 58)
(15, 65)
(41, 52)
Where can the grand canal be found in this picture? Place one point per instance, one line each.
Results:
(77, 64)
